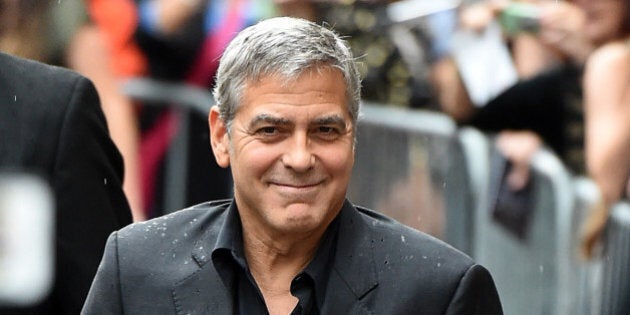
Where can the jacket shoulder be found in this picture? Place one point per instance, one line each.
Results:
(409, 240)
(413, 264)
(174, 234)
(33, 73)
(189, 220)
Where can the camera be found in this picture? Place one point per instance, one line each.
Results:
(519, 17)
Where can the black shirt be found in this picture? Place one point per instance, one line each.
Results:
(308, 286)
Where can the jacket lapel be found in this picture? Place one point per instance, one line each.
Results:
(196, 295)
(203, 291)
(354, 270)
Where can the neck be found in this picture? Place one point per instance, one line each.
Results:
(273, 256)
(275, 260)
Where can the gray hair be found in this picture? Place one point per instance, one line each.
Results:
(287, 47)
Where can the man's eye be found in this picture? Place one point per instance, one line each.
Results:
(327, 132)
(325, 129)
(270, 133)
(268, 130)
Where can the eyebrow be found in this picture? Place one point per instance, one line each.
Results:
(269, 119)
(330, 120)
(279, 121)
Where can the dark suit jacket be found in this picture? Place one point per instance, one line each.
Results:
(164, 266)
(51, 123)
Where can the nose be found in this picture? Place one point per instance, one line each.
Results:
(298, 155)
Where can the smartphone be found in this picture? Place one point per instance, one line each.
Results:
(519, 17)
(26, 239)
(511, 209)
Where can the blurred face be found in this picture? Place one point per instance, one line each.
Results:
(604, 18)
(291, 151)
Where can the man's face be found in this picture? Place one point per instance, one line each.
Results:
(291, 150)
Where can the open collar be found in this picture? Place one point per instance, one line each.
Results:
(353, 275)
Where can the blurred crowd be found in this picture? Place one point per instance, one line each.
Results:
(565, 84)
(571, 62)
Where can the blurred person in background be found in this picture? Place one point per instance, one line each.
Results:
(181, 42)
(388, 77)
(63, 33)
(530, 55)
(578, 108)
(392, 74)
(91, 52)
(606, 86)
(51, 124)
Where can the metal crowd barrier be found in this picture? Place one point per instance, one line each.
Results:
(615, 277)
(420, 168)
(184, 99)
(538, 270)
(526, 264)
(469, 186)
(585, 291)
(179, 95)
(409, 165)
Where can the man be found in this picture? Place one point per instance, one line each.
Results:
(288, 243)
(51, 124)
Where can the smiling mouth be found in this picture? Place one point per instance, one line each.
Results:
(297, 186)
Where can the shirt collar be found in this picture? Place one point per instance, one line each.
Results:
(320, 266)
(230, 239)
(230, 236)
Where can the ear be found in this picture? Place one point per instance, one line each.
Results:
(219, 140)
